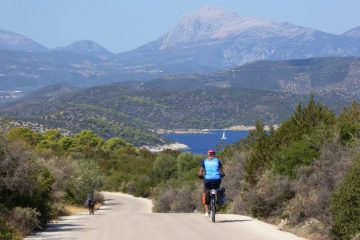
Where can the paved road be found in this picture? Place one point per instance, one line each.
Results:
(128, 218)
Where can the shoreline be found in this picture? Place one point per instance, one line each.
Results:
(172, 146)
(206, 130)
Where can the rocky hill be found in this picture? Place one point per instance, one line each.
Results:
(86, 47)
(17, 42)
(216, 39)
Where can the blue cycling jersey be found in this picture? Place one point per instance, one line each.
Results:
(212, 168)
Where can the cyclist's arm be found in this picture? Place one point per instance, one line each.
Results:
(202, 169)
(201, 172)
(221, 170)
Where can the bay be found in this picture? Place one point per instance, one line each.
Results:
(199, 143)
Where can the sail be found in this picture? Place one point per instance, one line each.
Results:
(223, 136)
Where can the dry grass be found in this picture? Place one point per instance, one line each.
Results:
(97, 206)
(72, 209)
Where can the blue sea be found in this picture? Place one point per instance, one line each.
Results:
(199, 143)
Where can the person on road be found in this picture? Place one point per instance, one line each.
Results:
(91, 206)
(211, 171)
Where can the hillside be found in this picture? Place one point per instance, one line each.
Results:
(328, 75)
(108, 110)
(263, 90)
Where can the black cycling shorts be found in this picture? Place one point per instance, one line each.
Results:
(210, 184)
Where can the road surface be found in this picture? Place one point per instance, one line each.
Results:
(128, 218)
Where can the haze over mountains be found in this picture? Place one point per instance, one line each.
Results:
(204, 41)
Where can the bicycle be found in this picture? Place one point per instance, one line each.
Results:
(213, 200)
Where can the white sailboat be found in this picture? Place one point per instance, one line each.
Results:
(223, 136)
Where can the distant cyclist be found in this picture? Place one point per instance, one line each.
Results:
(91, 206)
(212, 171)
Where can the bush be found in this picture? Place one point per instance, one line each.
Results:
(7, 232)
(164, 166)
(26, 182)
(99, 197)
(299, 153)
(234, 172)
(345, 205)
(268, 197)
(85, 178)
(315, 184)
(24, 219)
(349, 123)
(170, 199)
(58, 209)
(187, 162)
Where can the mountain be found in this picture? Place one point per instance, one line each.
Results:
(86, 47)
(213, 38)
(19, 70)
(205, 41)
(17, 42)
(353, 33)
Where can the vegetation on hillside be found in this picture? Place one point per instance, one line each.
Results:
(305, 172)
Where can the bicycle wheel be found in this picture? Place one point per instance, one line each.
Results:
(213, 210)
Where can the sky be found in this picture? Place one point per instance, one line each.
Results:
(122, 25)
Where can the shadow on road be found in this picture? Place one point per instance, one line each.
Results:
(58, 228)
(232, 221)
(111, 204)
(64, 227)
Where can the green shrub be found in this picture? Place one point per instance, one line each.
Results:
(8, 232)
(187, 161)
(86, 177)
(24, 134)
(345, 205)
(164, 166)
(295, 155)
(349, 123)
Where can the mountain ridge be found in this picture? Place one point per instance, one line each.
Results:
(86, 47)
(205, 41)
(17, 42)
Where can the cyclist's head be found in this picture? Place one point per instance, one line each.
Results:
(211, 152)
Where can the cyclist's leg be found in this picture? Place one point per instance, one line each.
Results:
(207, 187)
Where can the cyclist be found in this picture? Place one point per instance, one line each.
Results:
(91, 206)
(211, 171)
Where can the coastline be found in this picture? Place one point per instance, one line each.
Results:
(206, 130)
(172, 146)
(180, 146)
